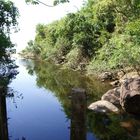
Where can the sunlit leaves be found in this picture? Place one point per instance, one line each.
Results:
(8, 16)
(56, 2)
(31, 1)
(133, 27)
(8, 21)
(104, 31)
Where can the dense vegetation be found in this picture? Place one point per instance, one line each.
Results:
(103, 35)
(8, 16)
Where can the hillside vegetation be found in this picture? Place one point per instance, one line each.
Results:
(103, 35)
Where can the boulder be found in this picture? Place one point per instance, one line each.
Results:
(120, 74)
(115, 83)
(129, 75)
(112, 96)
(130, 95)
(106, 76)
(103, 106)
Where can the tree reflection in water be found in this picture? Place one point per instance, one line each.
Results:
(103, 126)
(78, 114)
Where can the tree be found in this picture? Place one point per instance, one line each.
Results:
(8, 21)
(103, 33)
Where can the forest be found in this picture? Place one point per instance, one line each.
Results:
(103, 35)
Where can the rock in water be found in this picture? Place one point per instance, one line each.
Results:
(103, 106)
(113, 96)
(130, 95)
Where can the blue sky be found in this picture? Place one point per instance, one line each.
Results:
(31, 15)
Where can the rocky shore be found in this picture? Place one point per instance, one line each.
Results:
(125, 94)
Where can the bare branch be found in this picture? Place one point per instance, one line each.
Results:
(44, 3)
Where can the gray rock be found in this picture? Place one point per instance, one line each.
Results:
(103, 106)
(120, 74)
(129, 75)
(112, 96)
(130, 95)
(115, 83)
(106, 76)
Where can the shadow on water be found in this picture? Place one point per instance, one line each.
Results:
(78, 115)
(82, 121)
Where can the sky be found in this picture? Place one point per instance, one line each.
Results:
(31, 15)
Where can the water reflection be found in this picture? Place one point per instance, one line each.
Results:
(78, 114)
(82, 121)
(61, 81)
(4, 93)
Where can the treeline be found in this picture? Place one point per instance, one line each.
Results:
(103, 35)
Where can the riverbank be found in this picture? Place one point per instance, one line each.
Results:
(124, 93)
(97, 38)
(114, 76)
(113, 96)
(124, 96)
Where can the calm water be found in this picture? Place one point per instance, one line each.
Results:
(35, 113)
(43, 108)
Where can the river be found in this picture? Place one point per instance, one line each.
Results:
(42, 107)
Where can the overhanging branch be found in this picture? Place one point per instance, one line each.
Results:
(44, 3)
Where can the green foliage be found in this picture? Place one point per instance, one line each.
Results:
(121, 49)
(74, 59)
(56, 2)
(106, 34)
(31, 1)
(8, 16)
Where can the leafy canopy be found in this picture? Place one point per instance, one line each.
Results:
(104, 33)
(8, 21)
